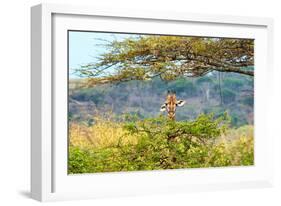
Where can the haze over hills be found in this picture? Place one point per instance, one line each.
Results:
(214, 93)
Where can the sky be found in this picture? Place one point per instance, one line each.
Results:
(84, 47)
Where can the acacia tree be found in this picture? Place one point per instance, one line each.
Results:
(169, 57)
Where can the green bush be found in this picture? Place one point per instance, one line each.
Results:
(184, 86)
(234, 84)
(165, 144)
(249, 101)
(79, 160)
(228, 96)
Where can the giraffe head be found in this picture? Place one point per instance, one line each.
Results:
(171, 104)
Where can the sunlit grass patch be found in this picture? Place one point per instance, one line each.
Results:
(103, 133)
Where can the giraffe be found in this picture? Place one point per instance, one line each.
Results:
(171, 104)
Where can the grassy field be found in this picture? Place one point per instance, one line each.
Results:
(157, 143)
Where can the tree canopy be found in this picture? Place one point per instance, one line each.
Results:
(169, 57)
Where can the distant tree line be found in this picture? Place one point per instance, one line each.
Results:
(211, 93)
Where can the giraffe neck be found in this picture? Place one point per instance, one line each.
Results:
(171, 117)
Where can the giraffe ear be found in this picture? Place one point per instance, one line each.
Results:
(180, 103)
(163, 108)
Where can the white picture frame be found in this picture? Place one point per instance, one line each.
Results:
(49, 179)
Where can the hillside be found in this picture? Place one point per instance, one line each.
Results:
(213, 93)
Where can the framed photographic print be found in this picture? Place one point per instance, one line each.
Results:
(135, 102)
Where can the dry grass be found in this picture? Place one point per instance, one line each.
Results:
(104, 133)
(241, 136)
(246, 131)
(238, 144)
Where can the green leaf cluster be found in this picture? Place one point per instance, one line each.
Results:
(166, 144)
